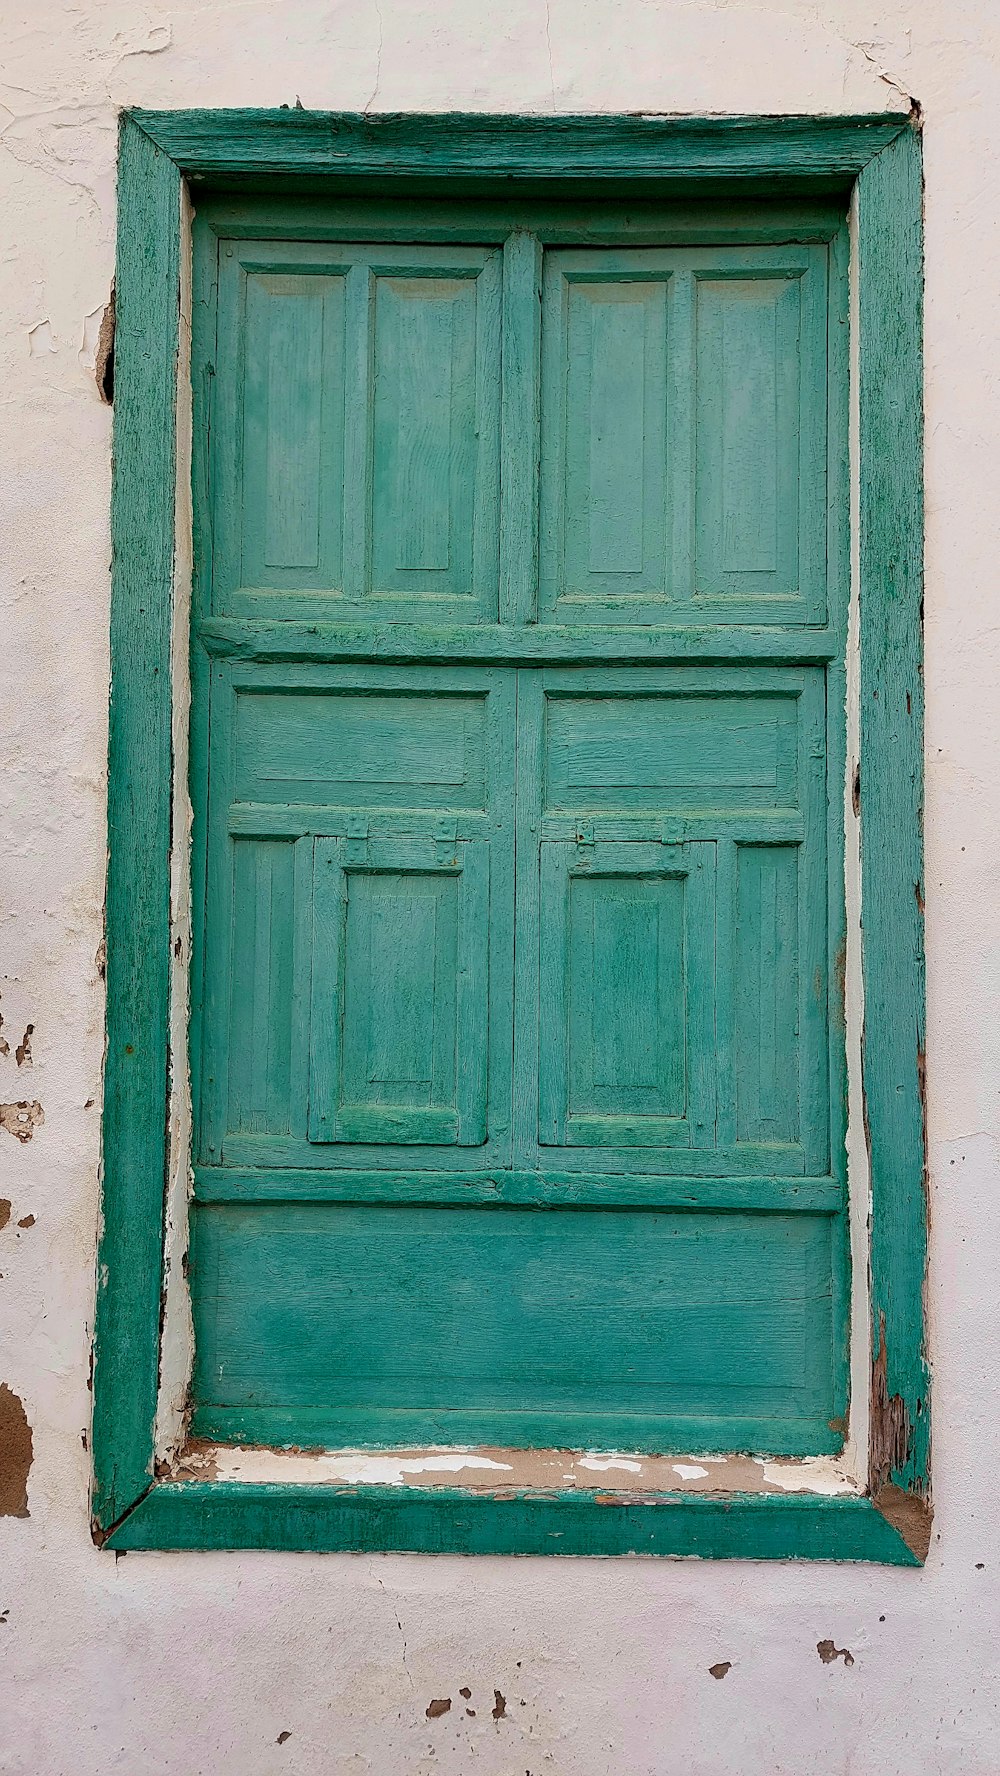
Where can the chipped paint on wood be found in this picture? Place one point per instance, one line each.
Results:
(910, 1515)
(891, 1434)
(891, 610)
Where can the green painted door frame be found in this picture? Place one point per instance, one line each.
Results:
(720, 162)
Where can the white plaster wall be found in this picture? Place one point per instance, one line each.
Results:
(179, 1663)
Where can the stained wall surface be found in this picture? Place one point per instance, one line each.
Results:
(289, 1663)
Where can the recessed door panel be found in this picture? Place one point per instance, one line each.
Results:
(768, 1032)
(361, 746)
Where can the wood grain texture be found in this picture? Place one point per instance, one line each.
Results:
(354, 452)
(225, 637)
(528, 1189)
(290, 142)
(385, 1323)
(892, 892)
(140, 765)
(684, 417)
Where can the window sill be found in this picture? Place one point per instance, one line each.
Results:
(522, 1502)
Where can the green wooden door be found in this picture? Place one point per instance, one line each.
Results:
(518, 707)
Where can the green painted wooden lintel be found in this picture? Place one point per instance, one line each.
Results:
(288, 142)
(377, 1519)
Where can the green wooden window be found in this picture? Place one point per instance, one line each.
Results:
(518, 927)
(518, 643)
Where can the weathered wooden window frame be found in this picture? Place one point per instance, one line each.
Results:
(880, 157)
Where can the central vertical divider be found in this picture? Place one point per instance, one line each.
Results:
(518, 606)
(527, 820)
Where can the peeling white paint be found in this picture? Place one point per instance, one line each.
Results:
(817, 1473)
(690, 1471)
(390, 1471)
(603, 1464)
(40, 340)
(90, 334)
(363, 1468)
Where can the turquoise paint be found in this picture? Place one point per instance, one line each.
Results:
(375, 1008)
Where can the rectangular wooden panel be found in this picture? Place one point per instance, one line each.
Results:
(408, 778)
(627, 996)
(424, 374)
(355, 455)
(605, 498)
(293, 431)
(767, 1033)
(671, 751)
(628, 1329)
(360, 747)
(684, 435)
(760, 441)
(260, 1023)
(614, 436)
(747, 419)
(623, 774)
(400, 992)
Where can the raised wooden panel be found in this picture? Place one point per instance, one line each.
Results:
(604, 493)
(672, 750)
(627, 996)
(360, 747)
(748, 445)
(672, 925)
(293, 432)
(400, 992)
(397, 974)
(609, 1328)
(424, 435)
(614, 420)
